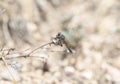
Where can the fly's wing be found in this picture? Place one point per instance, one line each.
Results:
(68, 47)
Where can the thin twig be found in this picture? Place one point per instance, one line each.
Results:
(59, 40)
(40, 47)
(25, 53)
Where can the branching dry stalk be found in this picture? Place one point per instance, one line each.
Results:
(59, 40)
(25, 54)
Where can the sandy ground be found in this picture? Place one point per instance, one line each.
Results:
(92, 31)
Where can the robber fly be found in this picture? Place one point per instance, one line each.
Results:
(60, 40)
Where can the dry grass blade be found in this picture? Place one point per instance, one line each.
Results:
(8, 68)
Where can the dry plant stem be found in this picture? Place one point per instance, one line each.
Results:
(26, 54)
(59, 40)
(4, 61)
(40, 47)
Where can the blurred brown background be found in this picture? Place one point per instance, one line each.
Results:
(92, 28)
